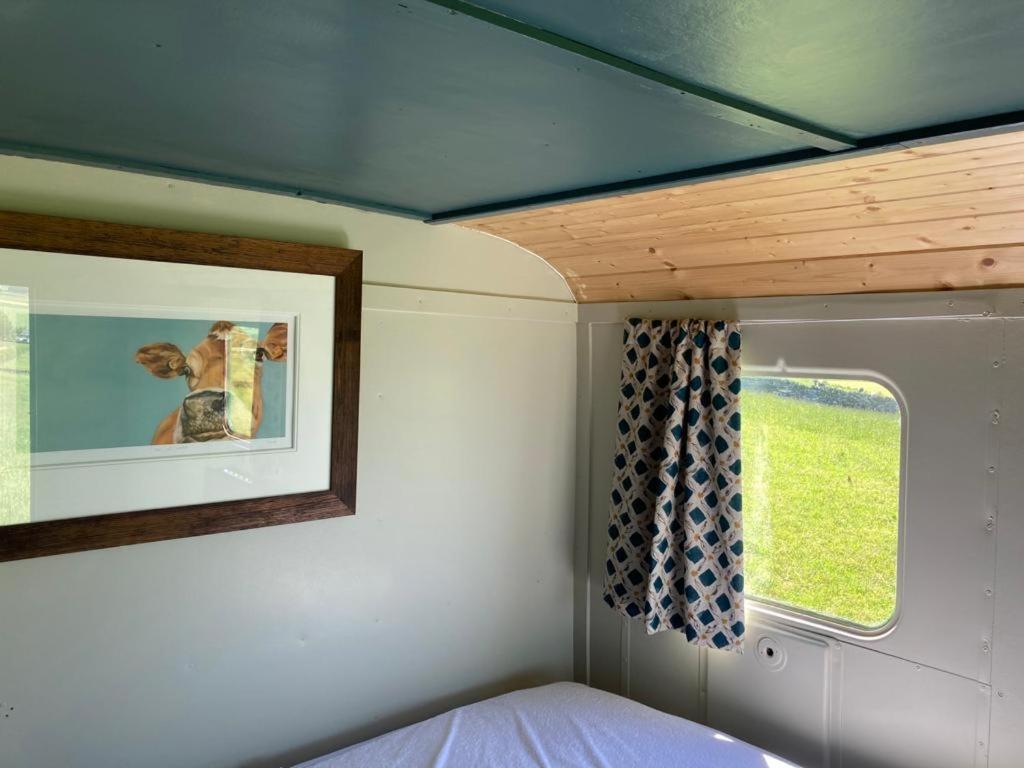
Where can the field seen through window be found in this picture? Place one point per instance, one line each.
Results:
(821, 479)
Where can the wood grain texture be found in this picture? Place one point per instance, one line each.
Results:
(946, 270)
(74, 534)
(733, 214)
(962, 201)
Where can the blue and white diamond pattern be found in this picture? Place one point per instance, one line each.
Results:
(675, 541)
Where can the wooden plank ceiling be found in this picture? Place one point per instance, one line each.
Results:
(933, 217)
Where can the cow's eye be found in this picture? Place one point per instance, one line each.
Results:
(260, 354)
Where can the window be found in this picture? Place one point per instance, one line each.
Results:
(15, 483)
(821, 489)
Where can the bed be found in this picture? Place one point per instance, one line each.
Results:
(555, 726)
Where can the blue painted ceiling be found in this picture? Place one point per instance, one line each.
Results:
(423, 109)
(860, 67)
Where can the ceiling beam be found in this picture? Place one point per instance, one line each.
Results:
(647, 183)
(986, 125)
(702, 99)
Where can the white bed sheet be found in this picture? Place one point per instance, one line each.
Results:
(564, 725)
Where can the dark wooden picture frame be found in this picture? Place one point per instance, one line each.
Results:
(93, 238)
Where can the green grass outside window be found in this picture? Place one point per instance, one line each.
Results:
(821, 498)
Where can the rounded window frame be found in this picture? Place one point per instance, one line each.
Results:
(819, 622)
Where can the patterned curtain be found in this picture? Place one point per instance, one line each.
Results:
(675, 541)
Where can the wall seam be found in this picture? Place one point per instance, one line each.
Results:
(584, 433)
(997, 451)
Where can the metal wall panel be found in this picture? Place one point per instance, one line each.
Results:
(1007, 735)
(777, 694)
(898, 714)
(917, 695)
(663, 671)
(948, 434)
(607, 649)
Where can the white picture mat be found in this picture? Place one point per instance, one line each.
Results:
(123, 284)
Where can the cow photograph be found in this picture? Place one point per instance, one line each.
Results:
(119, 384)
(224, 373)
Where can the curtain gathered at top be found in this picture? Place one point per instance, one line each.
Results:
(675, 535)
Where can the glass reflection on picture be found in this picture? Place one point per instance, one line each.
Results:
(15, 420)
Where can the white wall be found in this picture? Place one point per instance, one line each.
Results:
(944, 688)
(260, 648)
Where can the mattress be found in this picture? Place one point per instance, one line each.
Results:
(564, 725)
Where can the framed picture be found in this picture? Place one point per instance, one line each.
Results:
(156, 384)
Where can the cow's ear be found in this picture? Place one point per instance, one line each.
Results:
(163, 360)
(221, 329)
(275, 345)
